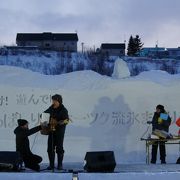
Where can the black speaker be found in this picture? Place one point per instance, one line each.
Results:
(10, 161)
(101, 161)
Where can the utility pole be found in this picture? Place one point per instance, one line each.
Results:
(82, 44)
(125, 52)
(157, 53)
(94, 47)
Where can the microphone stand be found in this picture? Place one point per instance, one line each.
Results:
(146, 130)
(53, 129)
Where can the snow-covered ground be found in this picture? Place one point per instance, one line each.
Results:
(92, 176)
(107, 114)
(53, 62)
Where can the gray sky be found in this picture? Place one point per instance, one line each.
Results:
(96, 21)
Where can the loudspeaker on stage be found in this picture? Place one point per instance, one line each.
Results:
(10, 161)
(100, 161)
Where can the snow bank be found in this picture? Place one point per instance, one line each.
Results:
(107, 114)
(121, 69)
(159, 77)
(80, 80)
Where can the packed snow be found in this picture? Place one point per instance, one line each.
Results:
(129, 176)
(121, 69)
(33, 176)
(81, 80)
(107, 113)
(91, 176)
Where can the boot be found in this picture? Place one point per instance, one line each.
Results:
(163, 162)
(51, 156)
(60, 159)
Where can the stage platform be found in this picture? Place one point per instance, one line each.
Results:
(122, 171)
(125, 168)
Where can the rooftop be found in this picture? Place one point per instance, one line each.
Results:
(46, 36)
(113, 46)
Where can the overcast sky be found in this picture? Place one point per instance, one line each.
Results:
(96, 21)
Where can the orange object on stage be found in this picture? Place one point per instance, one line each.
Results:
(178, 122)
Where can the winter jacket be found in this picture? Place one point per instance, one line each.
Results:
(22, 141)
(59, 113)
(160, 125)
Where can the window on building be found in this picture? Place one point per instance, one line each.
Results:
(107, 53)
(68, 48)
(47, 45)
(121, 52)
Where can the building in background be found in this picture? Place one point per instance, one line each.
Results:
(113, 49)
(49, 41)
(154, 52)
(174, 53)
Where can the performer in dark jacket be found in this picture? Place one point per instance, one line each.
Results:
(22, 144)
(58, 113)
(159, 124)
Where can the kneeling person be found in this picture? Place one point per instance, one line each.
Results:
(22, 144)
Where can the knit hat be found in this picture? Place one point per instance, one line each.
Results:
(22, 122)
(57, 97)
(161, 107)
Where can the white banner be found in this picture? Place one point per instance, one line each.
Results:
(111, 119)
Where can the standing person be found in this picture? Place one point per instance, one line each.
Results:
(22, 144)
(59, 116)
(159, 124)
